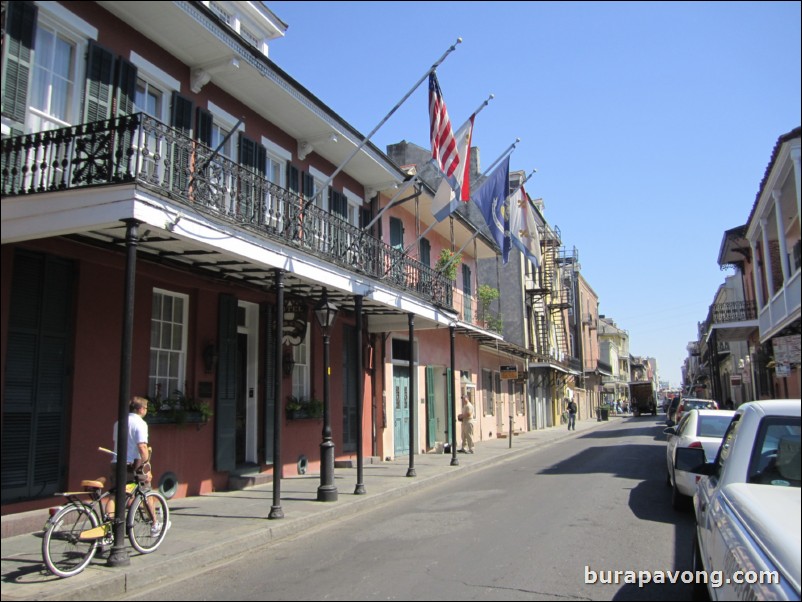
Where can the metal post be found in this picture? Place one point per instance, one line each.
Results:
(360, 392)
(453, 407)
(412, 405)
(327, 491)
(119, 552)
(275, 510)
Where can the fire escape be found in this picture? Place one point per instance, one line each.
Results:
(550, 294)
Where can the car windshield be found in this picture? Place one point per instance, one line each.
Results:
(776, 456)
(712, 426)
(697, 404)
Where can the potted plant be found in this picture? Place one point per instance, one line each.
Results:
(446, 266)
(488, 294)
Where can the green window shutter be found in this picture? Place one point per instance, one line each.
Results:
(21, 27)
(225, 415)
(308, 185)
(396, 233)
(425, 252)
(99, 90)
(125, 92)
(338, 204)
(431, 431)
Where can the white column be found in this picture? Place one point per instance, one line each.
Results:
(757, 269)
(795, 154)
(767, 260)
(778, 213)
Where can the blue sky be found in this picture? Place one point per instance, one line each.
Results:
(650, 124)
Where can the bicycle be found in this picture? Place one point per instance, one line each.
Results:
(74, 532)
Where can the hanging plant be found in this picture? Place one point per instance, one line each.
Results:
(446, 266)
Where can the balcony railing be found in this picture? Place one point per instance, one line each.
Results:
(139, 149)
(736, 311)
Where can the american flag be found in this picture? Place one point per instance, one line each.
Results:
(444, 146)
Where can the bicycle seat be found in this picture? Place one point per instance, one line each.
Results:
(99, 483)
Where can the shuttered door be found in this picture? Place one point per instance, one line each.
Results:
(225, 415)
(36, 392)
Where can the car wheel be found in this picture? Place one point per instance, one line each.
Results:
(699, 588)
(678, 501)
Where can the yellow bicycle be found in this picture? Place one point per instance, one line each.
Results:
(75, 531)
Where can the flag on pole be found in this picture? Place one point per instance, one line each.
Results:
(444, 146)
(491, 199)
(458, 187)
(523, 227)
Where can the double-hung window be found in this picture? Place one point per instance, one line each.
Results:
(168, 342)
(277, 199)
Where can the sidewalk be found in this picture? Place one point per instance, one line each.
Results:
(212, 528)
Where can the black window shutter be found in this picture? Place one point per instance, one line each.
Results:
(181, 117)
(308, 185)
(293, 176)
(21, 25)
(225, 415)
(247, 151)
(99, 90)
(203, 129)
(338, 204)
(425, 252)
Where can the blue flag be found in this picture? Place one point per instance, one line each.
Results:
(491, 199)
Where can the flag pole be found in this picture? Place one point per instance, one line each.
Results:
(433, 224)
(417, 176)
(502, 156)
(475, 234)
(381, 123)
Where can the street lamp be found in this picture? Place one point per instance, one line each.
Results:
(326, 313)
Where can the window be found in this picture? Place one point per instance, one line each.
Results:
(277, 159)
(53, 79)
(168, 342)
(148, 99)
(300, 371)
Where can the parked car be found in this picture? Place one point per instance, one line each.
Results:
(693, 403)
(671, 410)
(697, 428)
(747, 505)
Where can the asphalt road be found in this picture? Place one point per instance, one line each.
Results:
(537, 527)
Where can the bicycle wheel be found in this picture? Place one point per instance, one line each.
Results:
(64, 552)
(146, 533)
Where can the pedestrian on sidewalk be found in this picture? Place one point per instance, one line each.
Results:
(466, 417)
(571, 415)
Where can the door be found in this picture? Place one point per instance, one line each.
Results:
(37, 385)
(401, 407)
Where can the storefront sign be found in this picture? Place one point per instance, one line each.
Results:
(508, 372)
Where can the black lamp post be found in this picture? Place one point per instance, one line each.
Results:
(326, 313)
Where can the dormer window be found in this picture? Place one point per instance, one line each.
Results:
(255, 24)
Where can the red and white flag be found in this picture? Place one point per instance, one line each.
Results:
(444, 146)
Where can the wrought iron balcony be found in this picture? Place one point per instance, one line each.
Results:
(736, 311)
(141, 150)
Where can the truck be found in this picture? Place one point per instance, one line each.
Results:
(642, 396)
(747, 506)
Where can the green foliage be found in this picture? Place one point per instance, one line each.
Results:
(449, 270)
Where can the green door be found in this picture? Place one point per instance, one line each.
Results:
(401, 407)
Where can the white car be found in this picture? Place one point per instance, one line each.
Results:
(696, 428)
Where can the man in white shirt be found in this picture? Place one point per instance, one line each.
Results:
(466, 417)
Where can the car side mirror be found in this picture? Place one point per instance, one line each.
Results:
(670, 431)
(693, 459)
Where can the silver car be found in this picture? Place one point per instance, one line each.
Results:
(696, 428)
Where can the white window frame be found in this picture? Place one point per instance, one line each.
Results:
(77, 31)
(301, 370)
(279, 157)
(157, 378)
